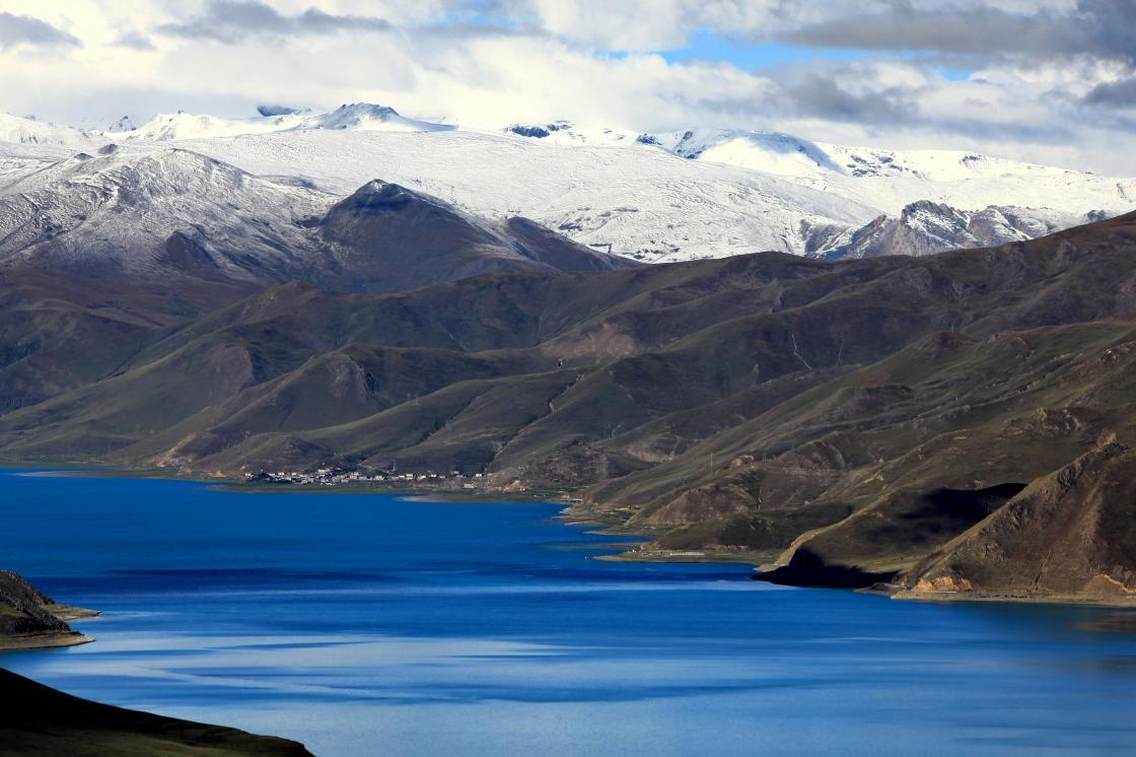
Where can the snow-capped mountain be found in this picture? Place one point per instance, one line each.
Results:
(568, 133)
(368, 117)
(29, 131)
(886, 179)
(121, 124)
(143, 213)
(177, 216)
(644, 204)
(925, 227)
(654, 197)
(166, 127)
(769, 152)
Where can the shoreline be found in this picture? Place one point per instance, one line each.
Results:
(1066, 600)
(70, 612)
(43, 641)
(423, 494)
(608, 526)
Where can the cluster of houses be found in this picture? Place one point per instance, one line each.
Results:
(338, 476)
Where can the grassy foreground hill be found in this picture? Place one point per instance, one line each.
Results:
(843, 420)
(37, 720)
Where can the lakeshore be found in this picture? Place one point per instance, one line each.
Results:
(637, 544)
(470, 628)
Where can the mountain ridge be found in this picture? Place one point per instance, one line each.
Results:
(655, 197)
(180, 213)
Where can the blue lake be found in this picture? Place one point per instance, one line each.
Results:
(368, 624)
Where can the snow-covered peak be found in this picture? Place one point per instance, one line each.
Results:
(682, 195)
(125, 123)
(30, 131)
(273, 118)
(788, 155)
(925, 227)
(766, 151)
(268, 110)
(159, 212)
(892, 179)
(370, 117)
(568, 133)
(133, 176)
(935, 165)
(180, 125)
(815, 163)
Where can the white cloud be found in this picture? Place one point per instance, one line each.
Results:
(584, 60)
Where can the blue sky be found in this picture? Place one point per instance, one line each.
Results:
(710, 46)
(707, 45)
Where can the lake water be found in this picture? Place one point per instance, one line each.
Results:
(367, 624)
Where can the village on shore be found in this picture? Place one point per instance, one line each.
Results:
(338, 476)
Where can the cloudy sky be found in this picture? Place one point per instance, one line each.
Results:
(1051, 81)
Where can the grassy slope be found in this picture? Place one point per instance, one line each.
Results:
(37, 720)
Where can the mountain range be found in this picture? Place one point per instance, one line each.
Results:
(226, 305)
(653, 197)
(176, 214)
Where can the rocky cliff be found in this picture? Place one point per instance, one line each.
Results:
(28, 618)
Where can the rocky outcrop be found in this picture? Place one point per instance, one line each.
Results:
(30, 619)
(1067, 535)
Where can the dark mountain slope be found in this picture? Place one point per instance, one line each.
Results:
(389, 238)
(464, 426)
(631, 355)
(873, 463)
(647, 343)
(58, 333)
(101, 256)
